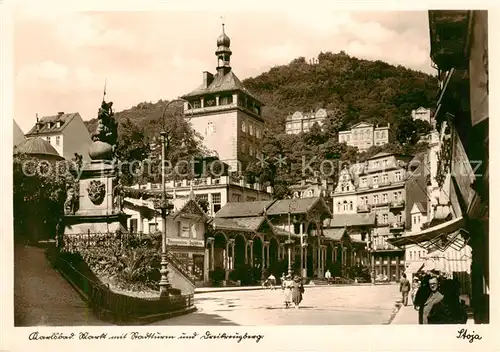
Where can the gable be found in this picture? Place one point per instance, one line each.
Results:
(362, 125)
(190, 209)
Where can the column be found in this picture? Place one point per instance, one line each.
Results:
(305, 259)
(210, 241)
(397, 267)
(250, 243)
(389, 268)
(226, 262)
(246, 251)
(301, 233)
(232, 244)
(263, 254)
(319, 259)
(268, 254)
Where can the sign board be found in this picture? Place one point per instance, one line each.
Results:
(462, 171)
(185, 242)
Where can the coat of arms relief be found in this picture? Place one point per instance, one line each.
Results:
(96, 191)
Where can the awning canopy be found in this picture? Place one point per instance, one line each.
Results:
(442, 236)
(414, 267)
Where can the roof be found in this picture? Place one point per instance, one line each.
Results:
(295, 206)
(342, 220)
(242, 209)
(18, 135)
(37, 146)
(362, 124)
(221, 83)
(65, 119)
(419, 207)
(252, 222)
(335, 234)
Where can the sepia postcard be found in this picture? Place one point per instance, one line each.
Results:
(232, 175)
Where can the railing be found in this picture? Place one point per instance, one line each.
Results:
(109, 305)
(363, 208)
(398, 204)
(181, 267)
(385, 246)
(73, 243)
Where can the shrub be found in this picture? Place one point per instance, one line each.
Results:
(217, 276)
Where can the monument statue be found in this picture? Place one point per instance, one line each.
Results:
(105, 135)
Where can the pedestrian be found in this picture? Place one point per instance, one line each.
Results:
(404, 288)
(328, 276)
(297, 291)
(414, 289)
(434, 310)
(272, 281)
(282, 278)
(287, 286)
(421, 296)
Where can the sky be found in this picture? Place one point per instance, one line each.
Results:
(63, 58)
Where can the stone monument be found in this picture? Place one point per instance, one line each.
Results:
(95, 201)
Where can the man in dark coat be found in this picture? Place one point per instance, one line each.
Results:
(404, 288)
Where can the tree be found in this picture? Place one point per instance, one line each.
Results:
(39, 194)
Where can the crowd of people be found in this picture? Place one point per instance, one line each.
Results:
(435, 297)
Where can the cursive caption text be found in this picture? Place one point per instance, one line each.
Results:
(463, 334)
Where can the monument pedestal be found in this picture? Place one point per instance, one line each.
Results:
(99, 202)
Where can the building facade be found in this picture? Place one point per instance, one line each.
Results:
(365, 135)
(422, 114)
(65, 132)
(376, 187)
(301, 122)
(215, 191)
(17, 135)
(225, 113)
(459, 50)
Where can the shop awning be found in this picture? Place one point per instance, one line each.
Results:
(414, 267)
(442, 236)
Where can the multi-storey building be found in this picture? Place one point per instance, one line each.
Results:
(311, 188)
(225, 113)
(301, 122)
(365, 135)
(65, 132)
(371, 199)
(422, 114)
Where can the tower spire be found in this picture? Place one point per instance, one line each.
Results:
(223, 52)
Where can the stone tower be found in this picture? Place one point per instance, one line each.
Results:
(225, 113)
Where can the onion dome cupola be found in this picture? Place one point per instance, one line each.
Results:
(223, 53)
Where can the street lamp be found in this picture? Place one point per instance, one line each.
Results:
(165, 209)
(289, 242)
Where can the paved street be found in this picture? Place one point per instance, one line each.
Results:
(42, 297)
(324, 305)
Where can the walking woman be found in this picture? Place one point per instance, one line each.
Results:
(297, 291)
(287, 286)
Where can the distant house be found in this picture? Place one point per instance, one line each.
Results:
(365, 135)
(38, 147)
(422, 114)
(17, 134)
(65, 132)
(302, 122)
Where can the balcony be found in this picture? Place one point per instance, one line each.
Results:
(397, 204)
(397, 226)
(386, 247)
(364, 208)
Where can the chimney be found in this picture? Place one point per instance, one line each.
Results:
(207, 78)
(60, 113)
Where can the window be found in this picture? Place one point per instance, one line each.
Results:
(399, 218)
(216, 201)
(243, 147)
(398, 176)
(133, 225)
(350, 205)
(384, 198)
(348, 138)
(58, 140)
(338, 206)
(210, 128)
(153, 226)
(236, 198)
(385, 219)
(377, 135)
(257, 132)
(185, 229)
(244, 127)
(385, 178)
(414, 220)
(250, 150)
(345, 205)
(375, 199)
(363, 182)
(375, 180)
(250, 127)
(48, 139)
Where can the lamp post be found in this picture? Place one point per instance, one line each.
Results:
(290, 241)
(165, 209)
